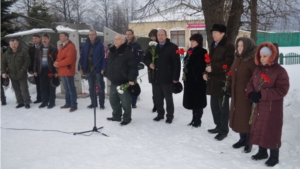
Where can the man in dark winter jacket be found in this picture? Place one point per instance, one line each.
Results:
(93, 55)
(138, 52)
(32, 51)
(166, 71)
(44, 69)
(221, 53)
(17, 60)
(121, 69)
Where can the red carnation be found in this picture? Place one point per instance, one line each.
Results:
(50, 75)
(206, 55)
(180, 51)
(190, 52)
(266, 79)
(262, 75)
(229, 73)
(207, 60)
(225, 67)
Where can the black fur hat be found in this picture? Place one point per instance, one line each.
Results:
(177, 87)
(5, 81)
(55, 81)
(134, 90)
(219, 27)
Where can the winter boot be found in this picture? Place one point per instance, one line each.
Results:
(273, 160)
(241, 142)
(262, 154)
(248, 147)
(197, 121)
(193, 119)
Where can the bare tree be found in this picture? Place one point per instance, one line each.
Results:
(79, 6)
(119, 23)
(63, 8)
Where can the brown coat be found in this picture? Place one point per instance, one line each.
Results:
(266, 128)
(220, 55)
(240, 106)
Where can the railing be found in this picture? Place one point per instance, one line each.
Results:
(289, 59)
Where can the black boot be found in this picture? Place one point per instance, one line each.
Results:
(241, 142)
(248, 147)
(198, 114)
(262, 154)
(274, 158)
(154, 107)
(193, 119)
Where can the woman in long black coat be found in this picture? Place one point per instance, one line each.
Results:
(194, 96)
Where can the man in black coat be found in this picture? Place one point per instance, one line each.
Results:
(221, 53)
(120, 69)
(44, 69)
(166, 71)
(32, 50)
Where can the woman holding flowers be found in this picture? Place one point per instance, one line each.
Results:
(240, 107)
(194, 95)
(267, 118)
(153, 38)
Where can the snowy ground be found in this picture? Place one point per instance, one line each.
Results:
(143, 144)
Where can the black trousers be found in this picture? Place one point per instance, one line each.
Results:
(161, 92)
(38, 88)
(220, 113)
(47, 91)
(3, 98)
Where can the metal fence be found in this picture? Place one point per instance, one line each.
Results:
(289, 59)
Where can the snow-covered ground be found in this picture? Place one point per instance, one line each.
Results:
(143, 144)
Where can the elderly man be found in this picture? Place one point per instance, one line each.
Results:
(131, 40)
(166, 71)
(43, 68)
(17, 60)
(33, 51)
(65, 62)
(121, 69)
(93, 56)
(221, 53)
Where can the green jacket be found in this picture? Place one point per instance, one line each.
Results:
(17, 63)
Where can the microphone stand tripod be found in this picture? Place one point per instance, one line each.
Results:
(93, 74)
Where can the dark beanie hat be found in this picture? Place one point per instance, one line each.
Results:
(134, 90)
(219, 27)
(65, 33)
(177, 87)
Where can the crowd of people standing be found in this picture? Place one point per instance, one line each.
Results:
(247, 73)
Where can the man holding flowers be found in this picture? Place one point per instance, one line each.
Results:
(121, 70)
(44, 69)
(165, 64)
(221, 53)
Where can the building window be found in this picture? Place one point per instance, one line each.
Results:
(203, 35)
(178, 37)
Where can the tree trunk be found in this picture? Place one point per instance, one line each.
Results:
(253, 24)
(213, 12)
(234, 20)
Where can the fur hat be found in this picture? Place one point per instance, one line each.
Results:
(134, 90)
(54, 81)
(273, 58)
(177, 87)
(5, 81)
(219, 27)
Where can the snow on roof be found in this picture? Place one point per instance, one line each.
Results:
(45, 30)
(180, 12)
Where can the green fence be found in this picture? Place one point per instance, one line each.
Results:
(282, 39)
(289, 59)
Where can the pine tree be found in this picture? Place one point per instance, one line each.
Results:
(6, 24)
(39, 11)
